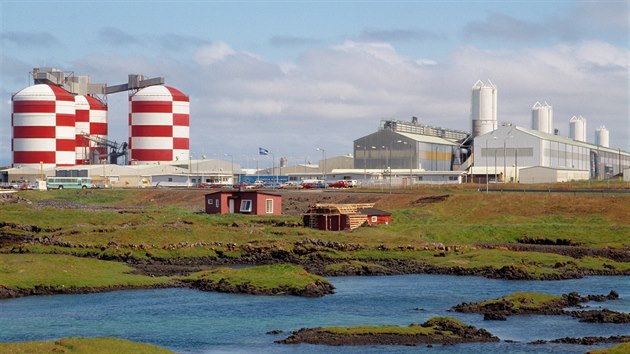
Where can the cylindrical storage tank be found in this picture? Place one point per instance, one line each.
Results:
(542, 118)
(91, 120)
(577, 128)
(483, 108)
(158, 125)
(43, 120)
(602, 136)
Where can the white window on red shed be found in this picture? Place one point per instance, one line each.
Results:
(374, 218)
(246, 206)
(269, 206)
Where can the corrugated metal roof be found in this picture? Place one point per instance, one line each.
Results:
(565, 140)
(428, 139)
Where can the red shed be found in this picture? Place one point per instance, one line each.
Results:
(376, 216)
(244, 202)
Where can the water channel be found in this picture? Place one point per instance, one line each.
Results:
(191, 321)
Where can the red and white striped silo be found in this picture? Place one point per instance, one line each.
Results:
(43, 121)
(159, 125)
(91, 119)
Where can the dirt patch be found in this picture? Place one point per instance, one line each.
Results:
(12, 198)
(431, 199)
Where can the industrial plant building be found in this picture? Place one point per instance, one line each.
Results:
(492, 152)
(61, 120)
(60, 127)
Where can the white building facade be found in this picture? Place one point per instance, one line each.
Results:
(502, 153)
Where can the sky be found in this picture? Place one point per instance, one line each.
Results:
(294, 76)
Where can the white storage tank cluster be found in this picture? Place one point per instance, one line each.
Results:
(43, 122)
(602, 137)
(484, 108)
(577, 128)
(542, 117)
(158, 125)
(91, 119)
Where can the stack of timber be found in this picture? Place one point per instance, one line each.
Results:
(354, 218)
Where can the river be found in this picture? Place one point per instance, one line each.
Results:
(191, 321)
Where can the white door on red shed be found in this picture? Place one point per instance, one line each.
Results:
(231, 205)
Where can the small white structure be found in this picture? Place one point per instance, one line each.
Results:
(542, 117)
(626, 175)
(602, 137)
(577, 128)
(540, 174)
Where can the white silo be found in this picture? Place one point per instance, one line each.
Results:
(542, 117)
(602, 137)
(577, 128)
(483, 108)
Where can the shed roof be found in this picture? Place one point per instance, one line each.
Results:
(236, 191)
(374, 211)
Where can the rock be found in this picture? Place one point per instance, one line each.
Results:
(494, 316)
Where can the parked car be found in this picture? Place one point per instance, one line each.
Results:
(313, 185)
(339, 184)
(290, 185)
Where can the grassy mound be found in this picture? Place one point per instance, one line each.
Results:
(82, 346)
(442, 330)
(623, 348)
(26, 271)
(278, 279)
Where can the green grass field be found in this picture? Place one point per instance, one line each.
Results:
(82, 346)
(159, 224)
(623, 348)
(25, 271)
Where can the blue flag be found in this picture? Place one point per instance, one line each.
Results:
(263, 151)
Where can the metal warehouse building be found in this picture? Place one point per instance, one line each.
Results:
(509, 153)
(399, 145)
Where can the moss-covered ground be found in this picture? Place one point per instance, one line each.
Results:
(623, 348)
(82, 346)
(162, 225)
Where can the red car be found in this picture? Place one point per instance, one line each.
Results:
(339, 184)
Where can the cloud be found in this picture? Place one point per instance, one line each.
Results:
(582, 20)
(331, 95)
(217, 51)
(116, 36)
(398, 35)
(613, 15)
(292, 41)
(29, 39)
(175, 42)
(169, 42)
(499, 26)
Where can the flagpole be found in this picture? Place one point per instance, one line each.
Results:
(273, 166)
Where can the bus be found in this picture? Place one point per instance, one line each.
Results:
(68, 182)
